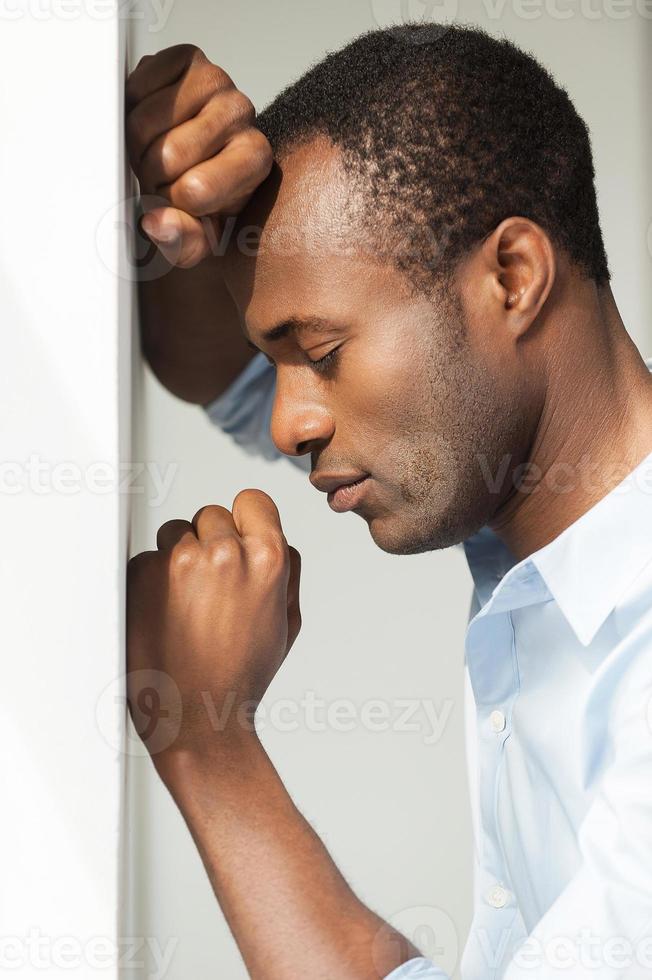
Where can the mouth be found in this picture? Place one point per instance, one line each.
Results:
(347, 496)
(344, 490)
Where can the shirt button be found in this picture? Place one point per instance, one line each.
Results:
(497, 721)
(497, 896)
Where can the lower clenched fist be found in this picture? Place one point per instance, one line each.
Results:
(211, 615)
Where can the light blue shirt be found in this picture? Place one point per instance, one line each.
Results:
(558, 718)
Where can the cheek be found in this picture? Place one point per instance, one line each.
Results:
(384, 399)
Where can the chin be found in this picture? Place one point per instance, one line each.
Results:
(398, 539)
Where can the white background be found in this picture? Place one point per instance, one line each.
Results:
(65, 421)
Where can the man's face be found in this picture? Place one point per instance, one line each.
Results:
(407, 400)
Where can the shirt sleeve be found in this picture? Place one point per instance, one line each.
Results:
(244, 411)
(417, 969)
(600, 926)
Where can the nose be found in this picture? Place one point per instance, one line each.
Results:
(301, 423)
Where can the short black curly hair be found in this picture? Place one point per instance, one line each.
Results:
(451, 131)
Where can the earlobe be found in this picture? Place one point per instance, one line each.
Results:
(524, 264)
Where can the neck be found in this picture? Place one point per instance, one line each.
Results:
(595, 426)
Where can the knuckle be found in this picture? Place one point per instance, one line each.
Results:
(224, 552)
(193, 190)
(219, 79)
(208, 510)
(169, 155)
(181, 556)
(269, 557)
(193, 52)
(260, 150)
(243, 107)
(165, 526)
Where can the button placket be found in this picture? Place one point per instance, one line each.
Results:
(498, 896)
(497, 721)
(494, 678)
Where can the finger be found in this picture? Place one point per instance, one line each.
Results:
(155, 71)
(182, 239)
(256, 515)
(171, 533)
(226, 180)
(173, 149)
(174, 105)
(214, 521)
(293, 605)
(142, 572)
(141, 564)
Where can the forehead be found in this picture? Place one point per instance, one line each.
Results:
(300, 246)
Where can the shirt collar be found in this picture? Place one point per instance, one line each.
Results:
(586, 569)
(590, 565)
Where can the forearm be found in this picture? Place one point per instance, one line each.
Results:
(190, 332)
(289, 908)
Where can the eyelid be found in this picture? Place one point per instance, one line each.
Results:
(328, 360)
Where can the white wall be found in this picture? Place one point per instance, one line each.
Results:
(65, 317)
(392, 808)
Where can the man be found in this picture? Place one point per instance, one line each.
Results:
(397, 279)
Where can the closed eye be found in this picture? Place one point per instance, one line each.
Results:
(322, 364)
(327, 361)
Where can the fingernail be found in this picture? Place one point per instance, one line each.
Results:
(148, 226)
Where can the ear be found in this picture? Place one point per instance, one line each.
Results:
(520, 260)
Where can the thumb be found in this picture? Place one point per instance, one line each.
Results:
(183, 239)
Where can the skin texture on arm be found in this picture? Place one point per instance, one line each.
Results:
(190, 331)
(212, 614)
(290, 910)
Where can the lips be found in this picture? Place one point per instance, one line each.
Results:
(329, 482)
(347, 496)
(344, 489)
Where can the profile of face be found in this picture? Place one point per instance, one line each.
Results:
(412, 395)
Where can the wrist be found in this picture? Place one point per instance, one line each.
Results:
(217, 761)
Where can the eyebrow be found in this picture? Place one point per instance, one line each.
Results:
(293, 325)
